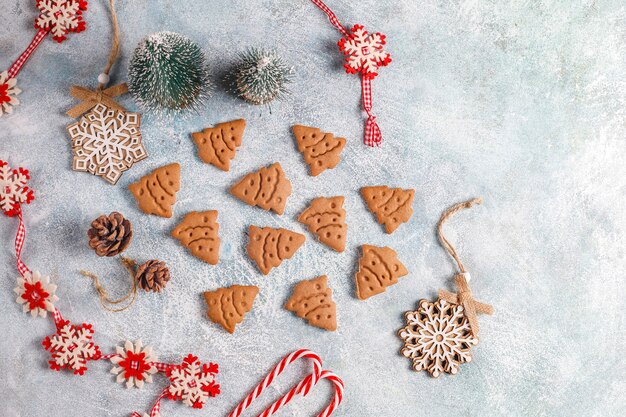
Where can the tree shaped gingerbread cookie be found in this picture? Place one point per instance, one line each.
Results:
(312, 300)
(156, 192)
(198, 232)
(217, 145)
(267, 188)
(392, 206)
(321, 150)
(378, 269)
(228, 306)
(327, 219)
(269, 247)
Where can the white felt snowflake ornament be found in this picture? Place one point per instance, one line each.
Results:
(14, 190)
(437, 337)
(106, 142)
(365, 53)
(71, 347)
(36, 294)
(8, 93)
(60, 17)
(134, 364)
(193, 382)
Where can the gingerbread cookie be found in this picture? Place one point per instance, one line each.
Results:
(392, 206)
(378, 269)
(321, 150)
(269, 247)
(312, 300)
(327, 219)
(267, 188)
(156, 192)
(198, 232)
(217, 145)
(228, 306)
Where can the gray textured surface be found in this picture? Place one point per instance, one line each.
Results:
(521, 102)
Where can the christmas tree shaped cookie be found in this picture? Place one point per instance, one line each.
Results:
(227, 306)
(269, 247)
(156, 192)
(217, 145)
(378, 269)
(198, 232)
(267, 188)
(392, 206)
(312, 300)
(327, 219)
(321, 150)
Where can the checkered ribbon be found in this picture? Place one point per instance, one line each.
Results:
(156, 409)
(302, 388)
(372, 136)
(21, 60)
(20, 237)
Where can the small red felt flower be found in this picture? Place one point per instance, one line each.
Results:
(71, 347)
(36, 293)
(365, 53)
(60, 17)
(193, 382)
(135, 364)
(14, 190)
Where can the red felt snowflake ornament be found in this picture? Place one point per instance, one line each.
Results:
(193, 382)
(14, 190)
(71, 347)
(365, 53)
(60, 17)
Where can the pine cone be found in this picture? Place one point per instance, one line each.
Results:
(152, 276)
(110, 235)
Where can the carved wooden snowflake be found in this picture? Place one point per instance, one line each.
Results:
(14, 190)
(36, 293)
(193, 382)
(8, 93)
(60, 17)
(134, 364)
(365, 53)
(437, 337)
(106, 142)
(71, 347)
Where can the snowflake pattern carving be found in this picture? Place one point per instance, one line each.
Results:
(106, 142)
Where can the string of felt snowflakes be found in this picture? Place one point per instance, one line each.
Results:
(57, 18)
(71, 347)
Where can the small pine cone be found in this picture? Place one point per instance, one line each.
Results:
(110, 235)
(152, 276)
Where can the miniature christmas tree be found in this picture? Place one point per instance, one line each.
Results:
(261, 76)
(168, 73)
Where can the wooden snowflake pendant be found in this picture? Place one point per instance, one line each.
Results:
(438, 337)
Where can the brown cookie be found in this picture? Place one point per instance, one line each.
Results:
(198, 232)
(378, 269)
(156, 192)
(269, 247)
(267, 188)
(227, 306)
(312, 300)
(321, 150)
(217, 145)
(327, 219)
(392, 206)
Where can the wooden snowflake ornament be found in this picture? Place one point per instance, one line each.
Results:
(36, 294)
(134, 364)
(439, 336)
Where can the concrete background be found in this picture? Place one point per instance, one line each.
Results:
(520, 102)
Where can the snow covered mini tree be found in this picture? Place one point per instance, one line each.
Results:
(168, 74)
(261, 76)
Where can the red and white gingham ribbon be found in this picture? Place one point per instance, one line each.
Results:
(302, 388)
(21, 60)
(156, 409)
(20, 237)
(372, 136)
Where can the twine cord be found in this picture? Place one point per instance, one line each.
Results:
(115, 43)
(103, 295)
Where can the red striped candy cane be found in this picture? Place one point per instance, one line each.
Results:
(278, 369)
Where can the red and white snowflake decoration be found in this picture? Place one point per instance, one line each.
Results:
(14, 190)
(134, 364)
(36, 294)
(60, 17)
(365, 53)
(193, 382)
(8, 93)
(71, 347)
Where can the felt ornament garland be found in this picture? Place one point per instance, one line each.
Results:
(439, 335)
(364, 53)
(72, 346)
(57, 18)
